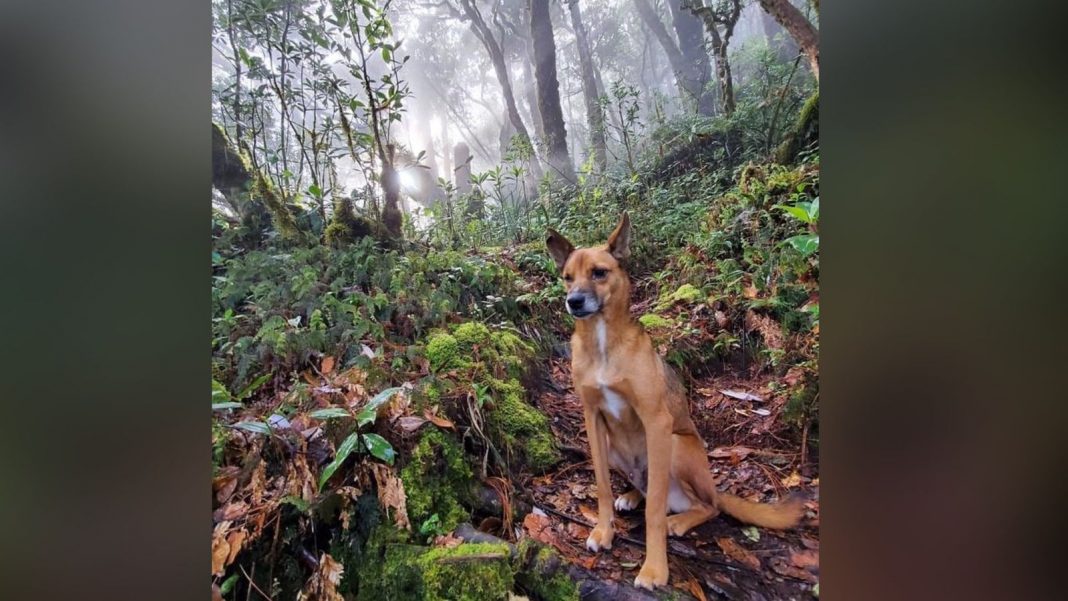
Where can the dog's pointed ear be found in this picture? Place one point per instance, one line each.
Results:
(619, 242)
(560, 248)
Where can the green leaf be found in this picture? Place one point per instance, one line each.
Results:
(814, 210)
(255, 427)
(260, 381)
(229, 405)
(799, 212)
(299, 503)
(369, 412)
(228, 584)
(219, 393)
(751, 533)
(806, 244)
(343, 452)
(315, 191)
(330, 413)
(379, 447)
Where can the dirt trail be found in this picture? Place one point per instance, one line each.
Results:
(721, 559)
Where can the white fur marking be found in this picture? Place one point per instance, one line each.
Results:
(592, 544)
(602, 340)
(678, 502)
(613, 403)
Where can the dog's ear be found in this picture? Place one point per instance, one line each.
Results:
(560, 248)
(619, 241)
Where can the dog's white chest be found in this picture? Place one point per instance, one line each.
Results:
(612, 403)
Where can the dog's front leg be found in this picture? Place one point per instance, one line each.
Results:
(658, 438)
(601, 537)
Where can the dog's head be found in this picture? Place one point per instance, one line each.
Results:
(593, 277)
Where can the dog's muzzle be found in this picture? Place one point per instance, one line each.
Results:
(582, 305)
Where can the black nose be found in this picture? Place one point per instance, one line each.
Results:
(576, 302)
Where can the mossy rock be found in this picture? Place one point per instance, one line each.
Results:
(687, 293)
(521, 429)
(542, 574)
(443, 351)
(652, 321)
(437, 481)
(394, 570)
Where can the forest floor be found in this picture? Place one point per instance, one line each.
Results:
(722, 558)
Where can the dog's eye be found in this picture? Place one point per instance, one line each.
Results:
(599, 273)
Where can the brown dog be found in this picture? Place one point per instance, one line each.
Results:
(637, 417)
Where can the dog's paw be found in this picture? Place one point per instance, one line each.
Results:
(676, 526)
(628, 501)
(600, 538)
(651, 576)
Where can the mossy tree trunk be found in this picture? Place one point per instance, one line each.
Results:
(698, 70)
(552, 116)
(803, 32)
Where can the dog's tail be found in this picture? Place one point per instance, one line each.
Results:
(778, 516)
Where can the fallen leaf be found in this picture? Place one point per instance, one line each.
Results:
(391, 493)
(328, 365)
(589, 513)
(220, 549)
(448, 541)
(742, 396)
(235, 540)
(225, 483)
(438, 421)
(792, 481)
(322, 585)
(367, 351)
(721, 319)
(751, 533)
(231, 511)
(578, 531)
(763, 412)
(735, 454)
(749, 291)
(539, 528)
(410, 423)
(806, 559)
(781, 567)
(738, 553)
(696, 589)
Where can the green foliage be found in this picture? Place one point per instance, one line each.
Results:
(542, 573)
(437, 481)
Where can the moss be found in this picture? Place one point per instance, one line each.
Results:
(393, 570)
(471, 333)
(443, 351)
(686, 293)
(804, 131)
(521, 429)
(446, 576)
(652, 320)
(437, 481)
(542, 574)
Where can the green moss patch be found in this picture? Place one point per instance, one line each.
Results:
(542, 574)
(437, 481)
(652, 320)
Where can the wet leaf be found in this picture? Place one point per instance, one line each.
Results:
(738, 553)
(255, 427)
(330, 413)
(327, 366)
(808, 560)
(792, 481)
(379, 447)
(235, 540)
(343, 452)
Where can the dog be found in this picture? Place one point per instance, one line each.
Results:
(636, 413)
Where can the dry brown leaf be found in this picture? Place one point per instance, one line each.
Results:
(785, 569)
(220, 549)
(792, 481)
(216, 593)
(749, 291)
(441, 422)
(738, 553)
(225, 483)
(540, 528)
(448, 541)
(578, 531)
(735, 454)
(806, 559)
(235, 540)
(589, 513)
(231, 511)
(695, 589)
(328, 365)
(721, 319)
(391, 494)
(410, 423)
(768, 328)
(322, 585)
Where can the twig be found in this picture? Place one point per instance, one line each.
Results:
(253, 584)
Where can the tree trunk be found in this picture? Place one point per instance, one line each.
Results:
(799, 28)
(594, 114)
(461, 157)
(483, 33)
(391, 214)
(687, 87)
(728, 18)
(541, 31)
(698, 70)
